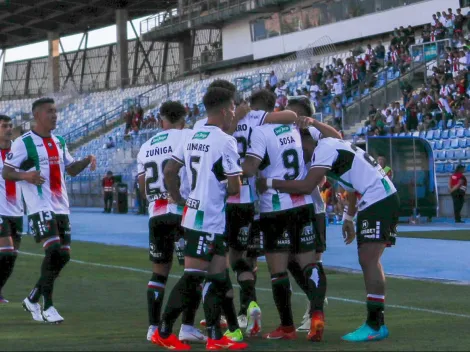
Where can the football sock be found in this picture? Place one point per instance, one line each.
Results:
(247, 295)
(49, 268)
(7, 263)
(213, 298)
(228, 307)
(375, 311)
(155, 295)
(64, 257)
(189, 313)
(282, 294)
(180, 297)
(312, 279)
(322, 284)
(298, 275)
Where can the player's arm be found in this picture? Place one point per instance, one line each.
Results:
(325, 130)
(172, 180)
(255, 153)
(76, 167)
(306, 186)
(349, 232)
(15, 158)
(141, 177)
(231, 167)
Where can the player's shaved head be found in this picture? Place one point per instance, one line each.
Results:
(5, 118)
(40, 102)
(222, 83)
(172, 111)
(263, 99)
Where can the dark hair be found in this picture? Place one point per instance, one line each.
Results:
(42, 101)
(302, 102)
(216, 98)
(222, 83)
(173, 111)
(5, 118)
(264, 99)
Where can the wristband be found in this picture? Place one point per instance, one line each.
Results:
(347, 217)
(269, 182)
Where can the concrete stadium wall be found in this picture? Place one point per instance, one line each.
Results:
(237, 36)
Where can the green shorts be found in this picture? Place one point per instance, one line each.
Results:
(203, 245)
(378, 222)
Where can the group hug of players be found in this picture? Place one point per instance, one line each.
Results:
(244, 183)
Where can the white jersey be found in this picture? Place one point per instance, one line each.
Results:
(50, 156)
(198, 124)
(151, 161)
(317, 199)
(209, 156)
(11, 203)
(242, 135)
(279, 147)
(354, 169)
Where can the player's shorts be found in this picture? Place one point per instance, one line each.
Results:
(164, 231)
(256, 242)
(378, 222)
(11, 226)
(319, 226)
(289, 231)
(46, 224)
(203, 245)
(239, 220)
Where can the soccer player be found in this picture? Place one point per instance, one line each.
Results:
(165, 229)
(286, 222)
(377, 216)
(11, 211)
(42, 160)
(211, 161)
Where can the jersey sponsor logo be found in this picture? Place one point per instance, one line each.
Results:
(365, 224)
(9, 156)
(286, 140)
(307, 235)
(159, 151)
(201, 135)
(281, 129)
(159, 138)
(242, 127)
(285, 239)
(192, 203)
(198, 147)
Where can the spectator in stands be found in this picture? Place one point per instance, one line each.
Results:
(205, 55)
(380, 53)
(458, 188)
(429, 122)
(383, 164)
(281, 93)
(273, 81)
(108, 183)
(337, 108)
(110, 143)
(426, 34)
(267, 85)
(128, 119)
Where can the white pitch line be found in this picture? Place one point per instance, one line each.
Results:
(339, 299)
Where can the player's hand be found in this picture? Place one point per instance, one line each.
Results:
(241, 111)
(92, 159)
(34, 177)
(349, 233)
(304, 122)
(261, 185)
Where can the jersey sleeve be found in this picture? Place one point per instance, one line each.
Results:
(257, 147)
(17, 154)
(315, 133)
(231, 159)
(68, 158)
(257, 118)
(178, 154)
(324, 156)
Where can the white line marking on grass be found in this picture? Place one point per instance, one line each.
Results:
(339, 299)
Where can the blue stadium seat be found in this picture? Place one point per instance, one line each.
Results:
(437, 134)
(432, 144)
(449, 167)
(462, 143)
(459, 154)
(449, 154)
(445, 134)
(446, 144)
(452, 133)
(460, 133)
(454, 143)
(441, 155)
(467, 132)
(440, 168)
(429, 135)
(438, 145)
(450, 123)
(468, 168)
(422, 134)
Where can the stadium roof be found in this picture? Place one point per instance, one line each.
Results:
(28, 21)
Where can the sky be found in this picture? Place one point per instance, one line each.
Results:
(103, 36)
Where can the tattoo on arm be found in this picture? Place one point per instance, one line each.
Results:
(78, 166)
